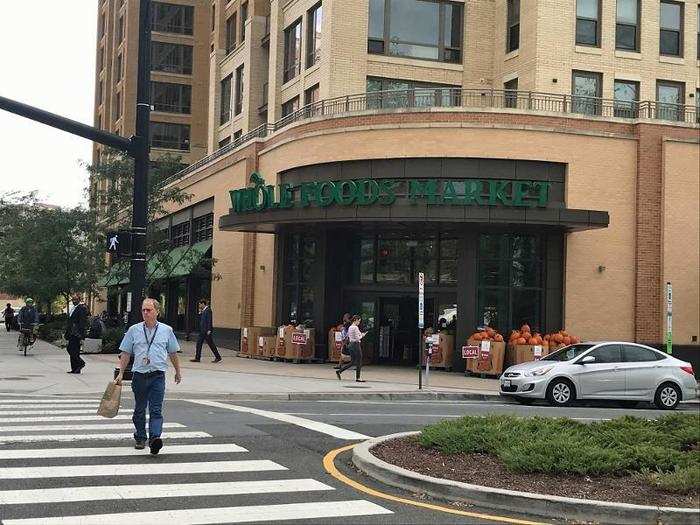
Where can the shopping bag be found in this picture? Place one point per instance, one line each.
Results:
(109, 406)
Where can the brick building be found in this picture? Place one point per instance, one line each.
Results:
(538, 160)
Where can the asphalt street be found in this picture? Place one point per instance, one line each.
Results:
(224, 461)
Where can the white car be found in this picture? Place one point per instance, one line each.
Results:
(627, 372)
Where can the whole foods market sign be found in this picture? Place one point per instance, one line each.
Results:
(385, 192)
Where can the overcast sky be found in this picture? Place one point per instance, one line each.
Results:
(47, 60)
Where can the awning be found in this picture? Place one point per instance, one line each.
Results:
(178, 262)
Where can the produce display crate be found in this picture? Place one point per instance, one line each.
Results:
(266, 346)
(517, 354)
(333, 346)
(295, 352)
(489, 365)
(442, 352)
(250, 339)
(284, 337)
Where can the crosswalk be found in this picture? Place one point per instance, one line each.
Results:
(60, 463)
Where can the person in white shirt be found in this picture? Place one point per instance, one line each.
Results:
(354, 349)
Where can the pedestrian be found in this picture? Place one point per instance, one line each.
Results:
(9, 315)
(76, 329)
(206, 328)
(150, 343)
(354, 348)
(347, 321)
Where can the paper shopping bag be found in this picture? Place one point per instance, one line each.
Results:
(109, 406)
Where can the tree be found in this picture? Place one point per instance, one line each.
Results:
(47, 251)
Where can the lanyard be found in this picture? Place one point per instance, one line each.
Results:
(146, 360)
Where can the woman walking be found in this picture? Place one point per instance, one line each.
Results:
(354, 349)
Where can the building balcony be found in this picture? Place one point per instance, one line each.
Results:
(470, 100)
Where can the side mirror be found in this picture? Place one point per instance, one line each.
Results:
(586, 360)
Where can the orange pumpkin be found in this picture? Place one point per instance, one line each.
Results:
(499, 338)
(566, 340)
(520, 341)
(532, 341)
(476, 336)
(558, 338)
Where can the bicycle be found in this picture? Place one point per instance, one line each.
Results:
(26, 339)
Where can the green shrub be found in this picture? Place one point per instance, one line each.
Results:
(625, 445)
(111, 339)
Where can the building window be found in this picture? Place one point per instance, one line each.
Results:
(100, 91)
(626, 98)
(117, 106)
(397, 93)
(171, 18)
(586, 92)
(170, 136)
(292, 51)
(213, 17)
(510, 281)
(120, 29)
(180, 234)
(237, 134)
(588, 22)
(290, 106)
(311, 95)
(510, 96)
(119, 67)
(244, 18)
(231, 33)
(671, 29)
(298, 277)
(314, 26)
(224, 142)
(669, 100)
(203, 227)
(423, 29)
(627, 25)
(238, 98)
(513, 30)
(225, 108)
(171, 58)
(171, 98)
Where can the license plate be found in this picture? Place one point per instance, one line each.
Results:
(506, 382)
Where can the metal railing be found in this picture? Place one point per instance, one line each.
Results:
(426, 98)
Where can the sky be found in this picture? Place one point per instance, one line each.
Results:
(47, 60)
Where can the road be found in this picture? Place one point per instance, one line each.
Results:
(224, 461)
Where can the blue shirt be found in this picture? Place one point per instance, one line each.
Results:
(164, 343)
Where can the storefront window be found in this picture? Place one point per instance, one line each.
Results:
(299, 267)
(448, 261)
(510, 281)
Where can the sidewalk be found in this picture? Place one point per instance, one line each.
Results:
(43, 371)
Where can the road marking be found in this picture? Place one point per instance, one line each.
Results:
(329, 465)
(46, 419)
(247, 514)
(4, 413)
(348, 414)
(388, 402)
(24, 438)
(116, 451)
(46, 401)
(324, 428)
(45, 407)
(105, 426)
(110, 492)
(147, 469)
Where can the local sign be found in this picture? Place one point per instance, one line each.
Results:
(366, 192)
(298, 338)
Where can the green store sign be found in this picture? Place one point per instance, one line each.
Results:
(385, 192)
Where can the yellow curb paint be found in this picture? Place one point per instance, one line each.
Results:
(329, 465)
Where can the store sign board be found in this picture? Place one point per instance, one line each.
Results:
(299, 338)
(385, 192)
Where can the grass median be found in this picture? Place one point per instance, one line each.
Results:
(664, 452)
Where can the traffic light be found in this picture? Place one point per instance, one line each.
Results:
(119, 243)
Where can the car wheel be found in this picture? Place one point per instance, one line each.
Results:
(561, 392)
(667, 396)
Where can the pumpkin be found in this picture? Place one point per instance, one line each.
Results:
(520, 341)
(532, 341)
(499, 338)
(476, 336)
(563, 332)
(558, 338)
(566, 340)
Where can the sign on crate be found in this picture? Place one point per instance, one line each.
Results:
(470, 352)
(299, 338)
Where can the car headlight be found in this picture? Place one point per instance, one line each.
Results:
(538, 371)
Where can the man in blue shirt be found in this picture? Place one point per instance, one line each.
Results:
(151, 343)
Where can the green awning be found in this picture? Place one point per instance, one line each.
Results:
(178, 262)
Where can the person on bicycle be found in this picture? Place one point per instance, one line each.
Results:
(28, 318)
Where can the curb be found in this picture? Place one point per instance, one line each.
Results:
(514, 501)
(357, 396)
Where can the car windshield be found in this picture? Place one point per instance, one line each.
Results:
(568, 352)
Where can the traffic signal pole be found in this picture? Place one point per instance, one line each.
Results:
(137, 147)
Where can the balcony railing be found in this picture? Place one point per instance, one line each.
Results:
(425, 98)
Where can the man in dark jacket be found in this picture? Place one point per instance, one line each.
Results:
(9, 315)
(206, 327)
(75, 333)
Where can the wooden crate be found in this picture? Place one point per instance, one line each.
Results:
(250, 339)
(305, 352)
(284, 339)
(442, 352)
(333, 346)
(517, 354)
(491, 364)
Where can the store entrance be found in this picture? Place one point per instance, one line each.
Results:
(398, 330)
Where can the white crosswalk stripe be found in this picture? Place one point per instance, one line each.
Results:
(56, 400)
(171, 492)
